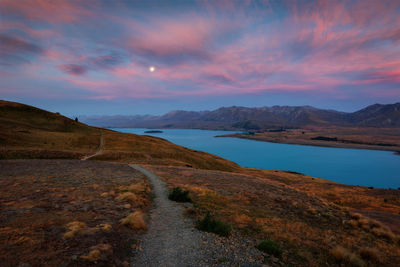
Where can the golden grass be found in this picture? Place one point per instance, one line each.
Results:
(242, 220)
(75, 228)
(106, 227)
(128, 196)
(93, 255)
(29, 132)
(135, 221)
(269, 205)
(373, 226)
(385, 233)
(343, 255)
(133, 199)
(61, 212)
(100, 251)
(152, 150)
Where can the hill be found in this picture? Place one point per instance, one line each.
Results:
(84, 210)
(29, 132)
(243, 118)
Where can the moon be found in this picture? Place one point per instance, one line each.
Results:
(152, 69)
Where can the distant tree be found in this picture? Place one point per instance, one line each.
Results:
(76, 119)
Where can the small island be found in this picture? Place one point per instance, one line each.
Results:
(153, 131)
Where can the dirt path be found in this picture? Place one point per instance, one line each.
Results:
(99, 149)
(172, 239)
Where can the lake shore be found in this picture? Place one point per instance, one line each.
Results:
(355, 142)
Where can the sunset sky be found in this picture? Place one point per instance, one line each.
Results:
(150, 57)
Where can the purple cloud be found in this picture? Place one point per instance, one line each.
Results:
(74, 69)
(16, 50)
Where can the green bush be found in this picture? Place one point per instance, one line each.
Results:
(270, 247)
(212, 225)
(179, 195)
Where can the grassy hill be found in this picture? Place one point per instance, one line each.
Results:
(29, 132)
(307, 221)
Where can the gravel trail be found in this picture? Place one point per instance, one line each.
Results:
(172, 239)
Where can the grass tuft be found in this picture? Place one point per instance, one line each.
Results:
(179, 195)
(270, 247)
(343, 255)
(135, 221)
(75, 228)
(106, 227)
(93, 255)
(212, 225)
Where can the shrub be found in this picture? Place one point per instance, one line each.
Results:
(179, 195)
(270, 247)
(106, 227)
(127, 196)
(93, 255)
(75, 228)
(135, 221)
(384, 232)
(212, 225)
(343, 255)
(132, 198)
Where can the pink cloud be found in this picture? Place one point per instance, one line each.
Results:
(61, 11)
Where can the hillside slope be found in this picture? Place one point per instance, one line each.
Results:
(29, 132)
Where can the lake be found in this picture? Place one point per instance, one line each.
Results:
(380, 169)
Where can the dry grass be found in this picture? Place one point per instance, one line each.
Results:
(274, 205)
(343, 255)
(106, 227)
(74, 228)
(135, 221)
(28, 132)
(93, 255)
(52, 209)
(152, 150)
(101, 251)
(385, 233)
(372, 226)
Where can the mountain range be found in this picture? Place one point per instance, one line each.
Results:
(244, 118)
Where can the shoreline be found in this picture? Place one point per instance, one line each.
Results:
(304, 142)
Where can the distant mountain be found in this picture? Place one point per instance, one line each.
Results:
(235, 118)
(377, 115)
(117, 121)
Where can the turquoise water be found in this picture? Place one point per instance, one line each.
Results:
(375, 168)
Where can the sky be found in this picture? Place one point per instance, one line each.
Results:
(150, 57)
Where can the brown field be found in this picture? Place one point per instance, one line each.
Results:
(348, 137)
(308, 217)
(69, 212)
